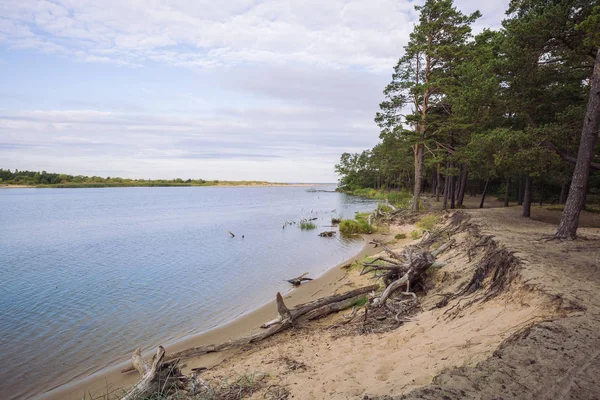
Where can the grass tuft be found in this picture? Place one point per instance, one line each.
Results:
(307, 225)
(428, 222)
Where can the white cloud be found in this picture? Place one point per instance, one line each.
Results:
(260, 142)
(302, 80)
(339, 33)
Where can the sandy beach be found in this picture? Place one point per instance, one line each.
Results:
(456, 339)
(328, 283)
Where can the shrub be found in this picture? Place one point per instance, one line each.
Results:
(428, 222)
(352, 226)
(384, 208)
(415, 234)
(400, 236)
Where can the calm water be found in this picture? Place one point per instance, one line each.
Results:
(88, 275)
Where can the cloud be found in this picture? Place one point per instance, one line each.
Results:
(336, 33)
(275, 89)
(264, 140)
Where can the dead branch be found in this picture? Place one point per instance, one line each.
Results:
(287, 317)
(418, 261)
(298, 281)
(154, 377)
(387, 250)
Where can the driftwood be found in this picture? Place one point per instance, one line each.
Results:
(287, 317)
(417, 263)
(292, 315)
(297, 281)
(158, 377)
(327, 234)
(403, 270)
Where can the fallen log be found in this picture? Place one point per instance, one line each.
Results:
(332, 308)
(302, 309)
(286, 318)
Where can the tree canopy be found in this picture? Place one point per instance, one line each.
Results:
(502, 111)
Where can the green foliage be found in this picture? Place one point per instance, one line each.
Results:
(428, 222)
(397, 198)
(359, 224)
(416, 234)
(503, 105)
(384, 208)
(400, 236)
(307, 225)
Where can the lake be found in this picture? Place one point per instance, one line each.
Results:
(88, 275)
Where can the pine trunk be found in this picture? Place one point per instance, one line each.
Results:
(521, 191)
(485, 188)
(567, 229)
(446, 190)
(463, 185)
(563, 192)
(527, 197)
(419, 154)
(452, 192)
(439, 183)
(506, 192)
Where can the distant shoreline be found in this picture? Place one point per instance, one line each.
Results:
(104, 185)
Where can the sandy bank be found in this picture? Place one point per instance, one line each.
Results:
(507, 315)
(330, 282)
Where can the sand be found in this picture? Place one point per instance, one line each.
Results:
(536, 339)
(111, 378)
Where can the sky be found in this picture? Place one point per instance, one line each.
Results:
(233, 90)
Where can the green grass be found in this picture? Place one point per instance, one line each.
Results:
(359, 224)
(385, 208)
(352, 226)
(428, 222)
(307, 225)
(399, 199)
(400, 236)
(416, 234)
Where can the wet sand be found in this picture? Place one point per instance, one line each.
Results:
(110, 379)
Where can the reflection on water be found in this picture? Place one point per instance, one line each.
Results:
(87, 275)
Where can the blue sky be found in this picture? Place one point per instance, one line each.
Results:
(270, 90)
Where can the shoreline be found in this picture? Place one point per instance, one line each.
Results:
(111, 378)
(159, 186)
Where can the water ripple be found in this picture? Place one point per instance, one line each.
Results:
(87, 275)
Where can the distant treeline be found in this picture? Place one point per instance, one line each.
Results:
(50, 179)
